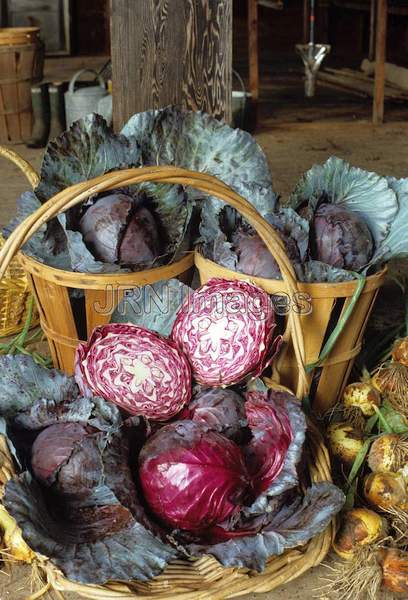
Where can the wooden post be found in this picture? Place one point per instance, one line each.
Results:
(253, 50)
(177, 52)
(371, 46)
(306, 23)
(380, 52)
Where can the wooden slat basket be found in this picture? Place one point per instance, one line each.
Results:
(15, 291)
(321, 305)
(21, 64)
(203, 579)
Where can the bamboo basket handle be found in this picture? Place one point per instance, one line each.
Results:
(78, 193)
(22, 164)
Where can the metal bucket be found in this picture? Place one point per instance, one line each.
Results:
(81, 102)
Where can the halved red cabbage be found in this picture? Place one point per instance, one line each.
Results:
(271, 437)
(192, 478)
(220, 410)
(226, 329)
(140, 371)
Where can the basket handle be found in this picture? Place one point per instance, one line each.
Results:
(22, 164)
(173, 175)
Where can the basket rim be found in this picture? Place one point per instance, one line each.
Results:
(94, 281)
(316, 289)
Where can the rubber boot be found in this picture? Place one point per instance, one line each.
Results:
(56, 93)
(41, 116)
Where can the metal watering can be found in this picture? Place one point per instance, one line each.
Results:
(81, 102)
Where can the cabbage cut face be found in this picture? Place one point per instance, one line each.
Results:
(226, 329)
(116, 230)
(140, 371)
(192, 478)
(341, 238)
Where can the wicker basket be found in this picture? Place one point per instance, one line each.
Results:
(14, 288)
(203, 579)
(328, 303)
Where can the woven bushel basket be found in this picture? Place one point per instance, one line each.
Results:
(195, 579)
(15, 292)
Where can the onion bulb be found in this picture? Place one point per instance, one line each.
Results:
(388, 453)
(359, 527)
(400, 351)
(363, 396)
(394, 565)
(392, 382)
(386, 490)
(345, 442)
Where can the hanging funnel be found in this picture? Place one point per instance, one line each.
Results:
(312, 56)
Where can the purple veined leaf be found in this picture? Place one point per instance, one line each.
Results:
(271, 437)
(139, 370)
(290, 525)
(340, 238)
(227, 331)
(120, 545)
(192, 478)
(219, 409)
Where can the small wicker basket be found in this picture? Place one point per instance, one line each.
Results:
(203, 579)
(14, 286)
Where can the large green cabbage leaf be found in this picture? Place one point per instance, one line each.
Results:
(395, 244)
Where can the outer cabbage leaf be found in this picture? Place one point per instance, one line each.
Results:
(396, 243)
(362, 192)
(40, 246)
(90, 544)
(198, 142)
(224, 236)
(152, 306)
(23, 382)
(272, 411)
(314, 271)
(221, 410)
(101, 515)
(89, 148)
(292, 525)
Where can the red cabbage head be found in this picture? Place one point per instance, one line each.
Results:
(341, 238)
(226, 329)
(192, 478)
(118, 230)
(66, 456)
(137, 369)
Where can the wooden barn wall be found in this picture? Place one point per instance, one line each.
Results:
(346, 29)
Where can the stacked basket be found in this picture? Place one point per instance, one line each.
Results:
(14, 287)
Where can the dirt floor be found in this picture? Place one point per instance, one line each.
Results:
(295, 133)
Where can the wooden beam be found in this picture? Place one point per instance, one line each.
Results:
(306, 24)
(380, 52)
(253, 49)
(371, 45)
(171, 53)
